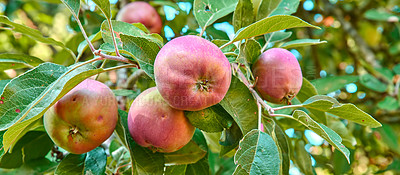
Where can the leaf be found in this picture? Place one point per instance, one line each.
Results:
(73, 6)
(257, 154)
(388, 103)
(96, 161)
(104, 6)
(389, 137)
(9, 143)
(333, 83)
(17, 61)
(266, 8)
(249, 52)
(33, 33)
(46, 84)
(207, 12)
(144, 161)
(175, 170)
(345, 111)
(144, 50)
(212, 119)
(190, 153)
(380, 15)
(84, 44)
(270, 24)
(277, 36)
(308, 90)
(71, 164)
(372, 83)
(199, 168)
(286, 7)
(240, 104)
(303, 158)
(326, 133)
(241, 16)
(301, 42)
(1, 143)
(229, 139)
(3, 84)
(126, 29)
(284, 148)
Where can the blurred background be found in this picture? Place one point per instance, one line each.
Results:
(359, 64)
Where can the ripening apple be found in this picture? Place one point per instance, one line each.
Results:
(154, 124)
(84, 118)
(141, 12)
(192, 73)
(279, 76)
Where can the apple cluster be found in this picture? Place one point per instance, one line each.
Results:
(191, 74)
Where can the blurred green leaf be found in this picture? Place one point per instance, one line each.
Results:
(190, 153)
(241, 16)
(257, 154)
(33, 33)
(270, 24)
(389, 137)
(331, 84)
(381, 15)
(372, 83)
(388, 103)
(240, 104)
(212, 119)
(302, 158)
(17, 61)
(346, 111)
(207, 12)
(266, 8)
(301, 43)
(286, 7)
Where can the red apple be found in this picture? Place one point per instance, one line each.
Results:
(84, 118)
(279, 75)
(141, 12)
(192, 73)
(153, 123)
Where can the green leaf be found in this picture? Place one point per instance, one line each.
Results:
(34, 34)
(126, 29)
(144, 161)
(207, 12)
(175, 170)
(199, 168)
(270, 24)
(388, 103)
(240, 104)
(381, 15)
(333, 83)
(277, 36)
(241, 16)
(284, 149)
(96, 161)
(73, 6)
(190, 153)
(3, 84)
(345, 111)
(212, 119)
(229, 139)
(286, 7)
(308, 90)
(266, 8)
(84, 44)
(396, 69)
(17, 61)
(372, 83)
(257, 154)
(303, 158)
(301, 43)
(389, 137)
(13, 133)
(104, 6)
(71, 164)
(1, 143)
(144, 50)
(326, 133)
(249, 52)
(47, 83)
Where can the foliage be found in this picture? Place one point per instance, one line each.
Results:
(45, 53)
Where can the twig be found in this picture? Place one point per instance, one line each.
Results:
(267, 43)
(255, 94)
(133, 78)
(226, 44)
(116, 58)
(259, 116)
(84, 35)
(113, 37)
(286, 107)
(281, 115)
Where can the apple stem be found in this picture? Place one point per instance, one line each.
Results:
(73, 131)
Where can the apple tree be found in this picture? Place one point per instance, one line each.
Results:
(188, 96)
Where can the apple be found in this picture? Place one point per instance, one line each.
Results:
(141, 12)
(279, 76)
(154, 124)
(84, 118)
(192, 73)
